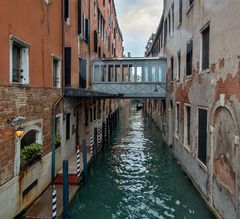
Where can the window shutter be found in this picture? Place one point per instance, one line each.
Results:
(79, 16)
(66, 9)
(82, 73)
(86, 30)
(95, 41)
(68, 66)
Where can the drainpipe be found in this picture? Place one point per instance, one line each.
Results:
(53, 142)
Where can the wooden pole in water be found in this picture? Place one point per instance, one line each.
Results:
(65, 190)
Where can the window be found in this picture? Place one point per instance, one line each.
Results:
(66, 10)
(82, 73)
(189, 57)
(177, 120)
(187, 125)
(103, 3)
(79, 16)
(180, 11)
(56, 69)
(172, 18)
(172, 69)
(169, 24)
(165, 32)
(202, 135)
(205, 48)
(95, 41)
(68, 63)
(178, 65)
(29, 138)
(19, 61)
(86, 31)
(68, 126)
(95, 9)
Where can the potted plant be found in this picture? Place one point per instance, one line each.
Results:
(58, 140)
(30, 154)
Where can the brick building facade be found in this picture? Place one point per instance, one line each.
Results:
(200, 116)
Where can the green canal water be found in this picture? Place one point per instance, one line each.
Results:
(137, 177)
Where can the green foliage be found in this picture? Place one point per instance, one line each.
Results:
(30, 152)
(58, 139)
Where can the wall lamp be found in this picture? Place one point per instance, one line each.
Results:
(13, 122)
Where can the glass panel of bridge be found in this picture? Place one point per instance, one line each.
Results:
(96, 73)
(163, 69)
(103, 73)
(117, 73)
(110, 73)
(145, 74)
(139, 74)
(132, 73)
(153, 74)
(125, 73)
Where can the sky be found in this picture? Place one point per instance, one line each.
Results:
(138, 19)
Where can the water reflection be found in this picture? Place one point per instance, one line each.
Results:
(137, 177)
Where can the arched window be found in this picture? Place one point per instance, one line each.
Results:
(29, 138)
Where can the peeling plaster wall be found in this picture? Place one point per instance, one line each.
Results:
(216, 89)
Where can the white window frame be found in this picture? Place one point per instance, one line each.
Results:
(177, 119)
(25, 63)
(178, 76)
(58, 76)
(185, 125)
(201, 52)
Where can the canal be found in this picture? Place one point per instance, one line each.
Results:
(137, 177)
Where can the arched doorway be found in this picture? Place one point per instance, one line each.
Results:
(224, 160)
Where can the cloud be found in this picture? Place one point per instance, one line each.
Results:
(138, 19)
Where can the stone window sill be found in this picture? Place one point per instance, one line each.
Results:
(202, 165)
(205, 71)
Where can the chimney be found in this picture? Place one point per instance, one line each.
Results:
(129, 54)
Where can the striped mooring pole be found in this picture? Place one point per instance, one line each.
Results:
(78, 163)
(54, 203)
(91, 145)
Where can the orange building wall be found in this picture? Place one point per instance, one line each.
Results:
(38, 24)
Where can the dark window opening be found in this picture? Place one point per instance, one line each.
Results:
(205, 48)
(189, 57)
(79, 16)
(28, 138)
(202, 135)
(66, 10)
(172, 69)
(68, 126)
(82, 73)
(188, 120)
(180, 11)
(95, 41)
(179, 65)
(68, 62)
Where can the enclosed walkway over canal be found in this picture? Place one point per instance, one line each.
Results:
(130, 77)
(137, 177)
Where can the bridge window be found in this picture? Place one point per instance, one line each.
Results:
(125, 73)
(117, 73)
(132, 73)
(103, 72)
(110, 73)
(145, 74)
(139, 74)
